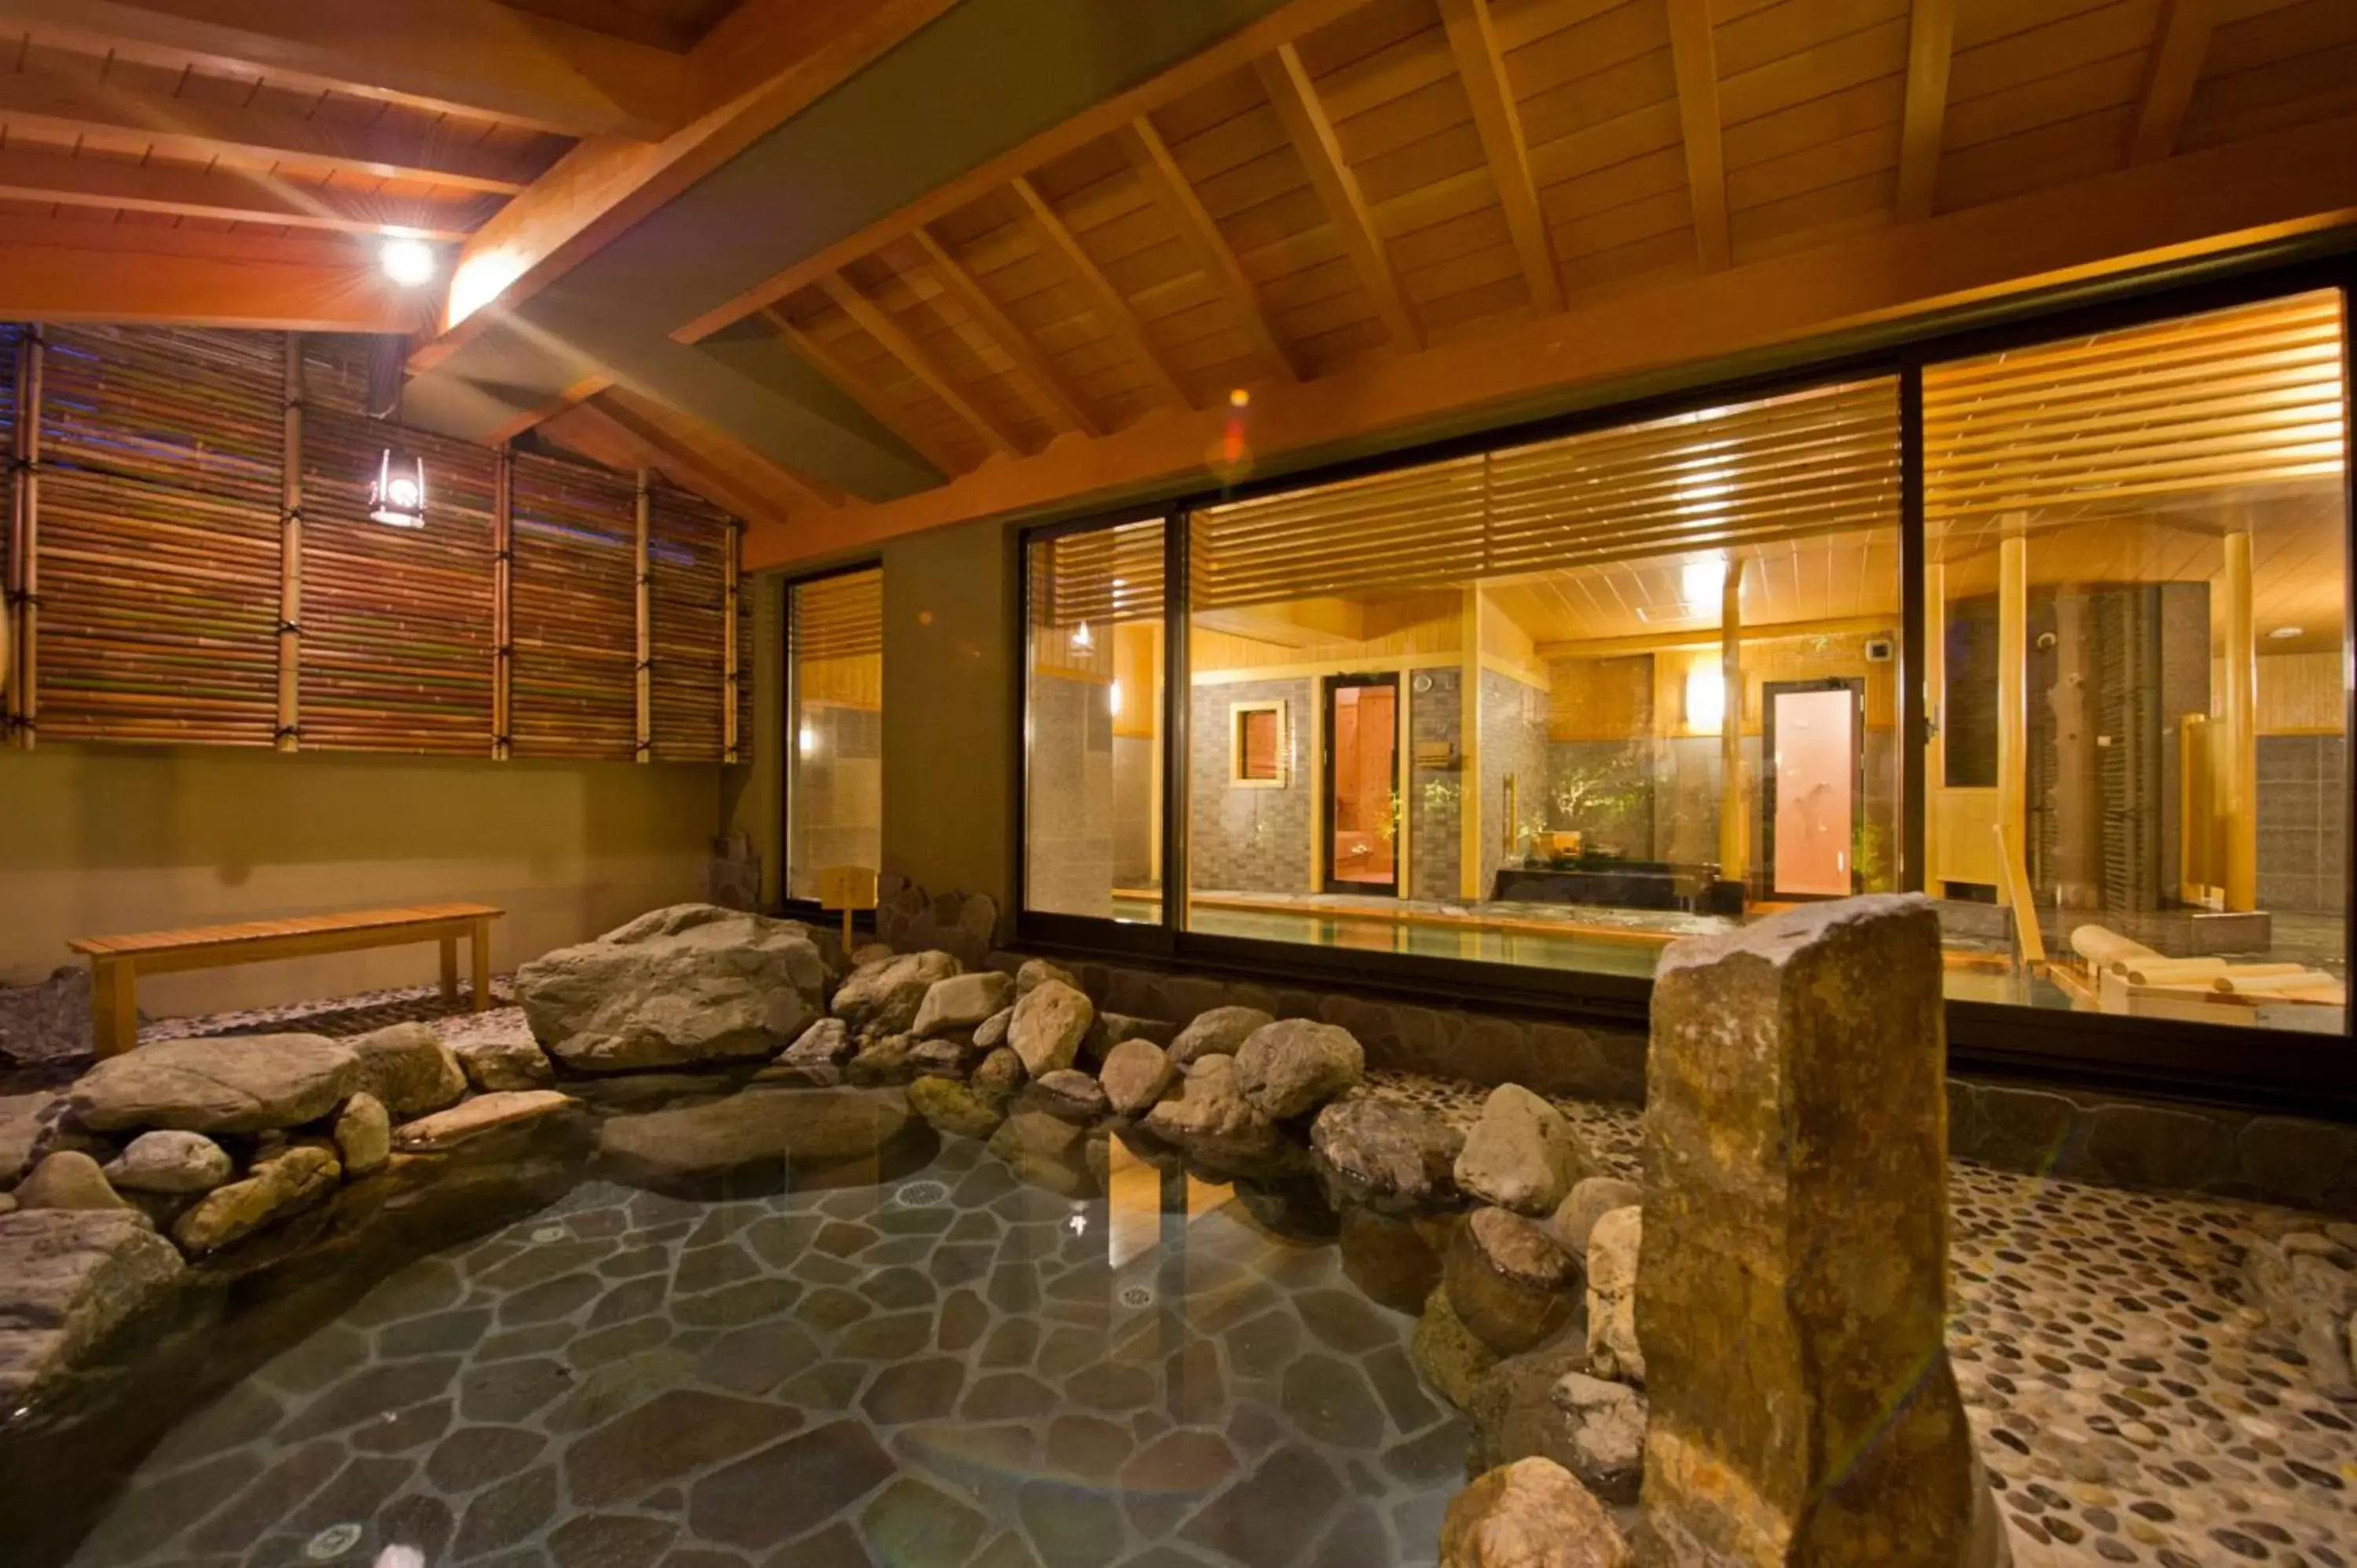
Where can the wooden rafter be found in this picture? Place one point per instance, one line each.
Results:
(234, 194)
(1060, 398)
(197, 129)
(1287, 84)
(2171, 70)
(1481, 67)
(1149, 156)
(1695, 56)
(466, 57)
(878, 323)
(1114, 312)
(828, 363)
(220, 280)
(1930, 49)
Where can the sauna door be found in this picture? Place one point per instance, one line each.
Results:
(1361, 783)
(1814, 738)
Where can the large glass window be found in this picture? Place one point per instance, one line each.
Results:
(835, 782)
(2135, 583)
(1559, 703)
(1093, 799)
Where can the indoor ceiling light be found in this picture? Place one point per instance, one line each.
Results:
(398, 497)
(1705, 698)
(2285, 633)
(1700, 584)
(407, 261)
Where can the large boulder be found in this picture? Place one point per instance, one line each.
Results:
(1591, 1199)
(47, 1022)
(1046, 1151)
(170, 1163)
(1211, 1122)
(68, 1179)
(692, 984)
(285, 1184)
(760, 1132)
(961, 1002)
(472, 1119)
(25, 1119)
(1614, 1243)
(409, 1069)
(1513, 1413)
(1522, 1155)
(954, 1108)
(1607, 1423)
(1217, 1032)
(67, 1279)
(1069, 1094)
(884, 998)
(1509, 1282)
(1533, 1513)
(1294, 1065)
(1795, 1248)
(1135, 1074)
(2308, 1297)
(1035, 972)
(1049, 1025)
(1399, 1159)
(1391, 1261)
(502, 1064)
(234, 1083)
(363, 1134)
(1452, 1359)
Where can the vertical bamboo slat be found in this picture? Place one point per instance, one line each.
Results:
(503, 616)
(290, 553)
(732, 654)
(642, 607)
(573, 689)
(24, 551)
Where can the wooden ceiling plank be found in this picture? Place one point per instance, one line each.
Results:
(1930, 49)
(1481, 66)
(1051, 385)
(236, 195)
(1151, 156)
(466, 57)
(878, 324)
(193, 128)
(1696, 61)
(1114, 313)
(1287, 84)
(2176, 66)
(894, 418)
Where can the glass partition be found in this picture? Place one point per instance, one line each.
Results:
(1092, 773)
(2135, 581)
(1559, 703)
(835, 779)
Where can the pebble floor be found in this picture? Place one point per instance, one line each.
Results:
(1249, 1407)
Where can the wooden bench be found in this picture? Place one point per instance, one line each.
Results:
(116, 963)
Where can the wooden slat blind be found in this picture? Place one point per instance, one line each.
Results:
(838, 618)
(159, 537)
(1416, 528)
(687, 556)
(2249, 396)
(575, 611)
(396, 650)
(1106, 574)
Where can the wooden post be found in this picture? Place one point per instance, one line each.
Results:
(732, 655)
(502, 622)
(450, 971)
(1403, 772)
(2238, 742)
(1935, 705)
(1469, 775)
(290, 551)
(25, 548)
(2013, 707)
(114, 1006)
(644, 751)
(1734, 820)
(481, 1000)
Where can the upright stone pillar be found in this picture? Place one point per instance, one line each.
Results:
(1792, 1284)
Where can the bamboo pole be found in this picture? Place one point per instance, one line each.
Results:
(2238, 745)
(1734, 820)
(24, 554)
(503, 618)
(644, 749)
(2013, 707)
(731, 655)
(290, 550)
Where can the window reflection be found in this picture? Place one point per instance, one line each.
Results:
(834, 785)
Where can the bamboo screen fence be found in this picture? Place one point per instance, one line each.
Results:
(189, 558)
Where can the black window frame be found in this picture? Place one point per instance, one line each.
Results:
(2218, 1063)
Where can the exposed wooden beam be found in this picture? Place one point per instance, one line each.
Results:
(1234, 53)
(1288, 87)
(1695, 58)
(2172, 69)
(208, 285)
(1481, 67)
(764, 63)
(1151, 156)
(194, 129)
(852, 384)
(1931, 48)
(1839, 297)
(240, 195)
(579, 391)
(464, 57)
(657, 447)
(1062, 399)
(1113, 312)
(878, 323)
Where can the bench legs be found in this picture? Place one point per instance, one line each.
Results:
(482, 942)
(113, 1005)
(449, 971)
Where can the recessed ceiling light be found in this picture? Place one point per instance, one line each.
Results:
(409, 263)
(2283, 633)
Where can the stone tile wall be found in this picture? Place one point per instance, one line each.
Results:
(1069, 819)
(1514, 740)
(1436, 714)
(1133, 824)
(2303, 795)
(836, 792)
(1249, 840)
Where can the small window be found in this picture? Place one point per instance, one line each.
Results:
(1257, 751)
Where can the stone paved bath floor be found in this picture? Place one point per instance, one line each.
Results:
(981, 1372)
